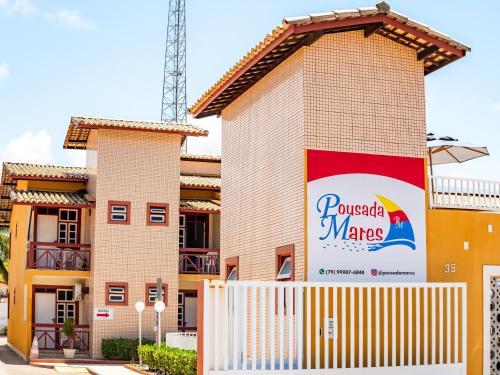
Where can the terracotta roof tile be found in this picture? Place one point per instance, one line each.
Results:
(292, 34)
(195, 157)
(26, 170)
(210, 205)
(51, 197)
(79, 129)
(212, 182)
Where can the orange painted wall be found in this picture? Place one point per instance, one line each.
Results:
(447, 230)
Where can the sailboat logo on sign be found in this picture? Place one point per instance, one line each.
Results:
(336, 219)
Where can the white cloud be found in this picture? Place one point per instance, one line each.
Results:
(4, 71)
(25, 7)
(71, 18)
(4, 3)
(29, 147)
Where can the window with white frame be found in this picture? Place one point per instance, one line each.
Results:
(285, 271)
(116, 294)
(182, 231)
(151, 294)
(67, 226)
(65, 305)
(180, 309)
(118, 212)
(157, 214)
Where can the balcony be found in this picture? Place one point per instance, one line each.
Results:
(58, 256)
(200, 261)
(464, 193)
(51, 337)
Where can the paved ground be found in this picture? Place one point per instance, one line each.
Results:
(11, 363)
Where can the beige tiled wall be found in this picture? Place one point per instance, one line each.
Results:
(200, 167)
(138, 167)
(345, 93)
(263, 173)
(363, 95)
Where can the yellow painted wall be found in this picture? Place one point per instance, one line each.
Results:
(447, 230)
(54, 185)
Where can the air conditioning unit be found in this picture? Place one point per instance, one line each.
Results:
(77, 292)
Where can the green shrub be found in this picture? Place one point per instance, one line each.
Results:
(171, 360)
(122, 349)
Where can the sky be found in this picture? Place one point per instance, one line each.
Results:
(63, 58)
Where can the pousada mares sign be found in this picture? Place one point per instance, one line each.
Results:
(365, 217)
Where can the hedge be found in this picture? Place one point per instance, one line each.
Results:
(172, 361)
(122, 349)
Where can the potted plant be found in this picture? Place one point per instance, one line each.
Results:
(68, 329)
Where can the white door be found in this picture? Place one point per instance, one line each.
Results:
(46, 232)
(45, 313)
(191, 312)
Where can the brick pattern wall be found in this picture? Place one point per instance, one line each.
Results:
(345, 93)
(363, 95)
(138, 167)
(263, 172)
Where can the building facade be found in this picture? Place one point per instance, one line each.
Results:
(339, 97)
(88, 243)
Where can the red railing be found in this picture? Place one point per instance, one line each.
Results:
(51, 337)
(58, 256)
(199, 261)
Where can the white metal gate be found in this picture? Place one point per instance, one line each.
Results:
(332, 328)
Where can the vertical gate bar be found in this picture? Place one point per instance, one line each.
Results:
(272, 320)
(225, 336)
(377, 326)
(410, 326)
(343, 353)
(401, 326)
(433, 325)
(369, 354)
(299, 313)
(360, 327)
(336, 333)
(441, 323)
(317, 327)
(244, 338)
(386, 329)
(351, 325)
(263, 322)
(417, 326)
(309, 328)
(455, 324)
(426, 325)
(216, 331)
(448, 324)
(253, 325)
(464, 328)
(280, 328)
(393, 320)
(289, 318)
(325, 329)
(236, 330)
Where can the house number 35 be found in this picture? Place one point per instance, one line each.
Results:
(449, 268)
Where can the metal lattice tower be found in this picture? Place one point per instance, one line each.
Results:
(173, 107)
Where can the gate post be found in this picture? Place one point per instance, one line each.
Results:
(200, 337)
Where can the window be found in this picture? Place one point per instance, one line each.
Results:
(180, 309)
(196, 233)
(67, 226)
(117, 294)
(65, 306)
(285, 263)
(182, 231)
(232, 268)
(151, 293)
(157, 214)
(118, 212)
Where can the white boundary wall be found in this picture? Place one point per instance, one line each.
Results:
(403, 328)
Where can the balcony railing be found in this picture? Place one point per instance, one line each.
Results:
(199, 261)
(464, 193)
(58, 256)
(51, 337)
